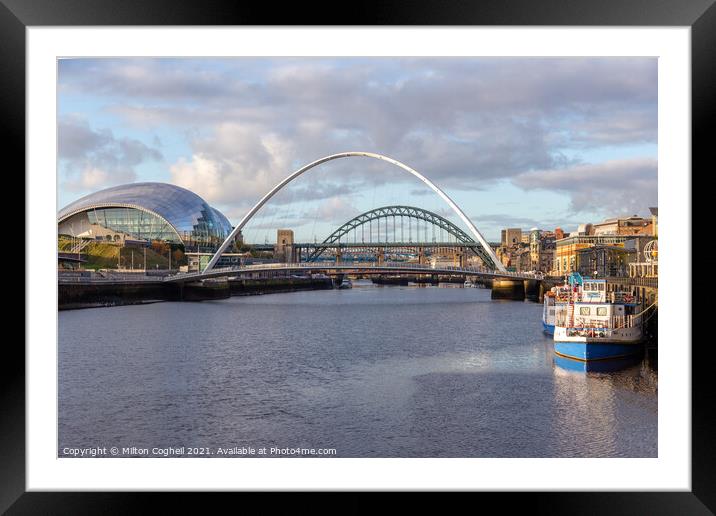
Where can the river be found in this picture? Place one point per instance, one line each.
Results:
(375, 371)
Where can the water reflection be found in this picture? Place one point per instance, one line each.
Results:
(602, 401)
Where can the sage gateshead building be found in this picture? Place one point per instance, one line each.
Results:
(145, 212)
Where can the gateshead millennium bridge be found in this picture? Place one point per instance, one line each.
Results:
(477, 242)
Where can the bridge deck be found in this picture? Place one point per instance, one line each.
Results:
(363, 268)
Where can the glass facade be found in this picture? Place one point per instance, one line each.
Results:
(135, 223)
(146, 211)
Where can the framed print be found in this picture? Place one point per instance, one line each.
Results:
(416, 253)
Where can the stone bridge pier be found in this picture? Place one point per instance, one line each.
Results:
(532, 289)
(512, 289)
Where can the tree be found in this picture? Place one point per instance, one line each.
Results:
(159, 247)
(178, 257)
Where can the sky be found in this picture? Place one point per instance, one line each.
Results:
(516, 142)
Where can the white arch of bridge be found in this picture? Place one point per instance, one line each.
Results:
(455, 208)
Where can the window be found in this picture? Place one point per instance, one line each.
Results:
(584, 310)
(602, 310)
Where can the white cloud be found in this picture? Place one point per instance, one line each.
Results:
(94, 159)
(241, 125)
(616, 187)
(92, 178)
(237, 163)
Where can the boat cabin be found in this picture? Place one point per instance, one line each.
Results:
(593, 315)
(594, 291)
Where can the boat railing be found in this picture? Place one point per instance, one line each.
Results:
(616, 322)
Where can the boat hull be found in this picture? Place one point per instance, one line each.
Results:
(597, 343)
(596, 366)
(548, 328)
(596, 350)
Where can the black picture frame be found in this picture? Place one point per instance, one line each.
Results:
(700, 15)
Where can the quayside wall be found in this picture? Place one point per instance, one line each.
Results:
(89, 295)
(247, 287)
(96, 294)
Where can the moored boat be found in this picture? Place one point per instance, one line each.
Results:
(548, 313)
(593, 324)
(551, 298)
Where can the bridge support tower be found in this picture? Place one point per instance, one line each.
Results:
(381, 257)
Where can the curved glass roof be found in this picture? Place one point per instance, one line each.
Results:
(183, 209)
(222, 218)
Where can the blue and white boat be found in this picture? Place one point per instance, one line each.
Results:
(593, 324)
(549, 306)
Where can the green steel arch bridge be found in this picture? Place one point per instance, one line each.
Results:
(394, 228)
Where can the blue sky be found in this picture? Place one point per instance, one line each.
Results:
(516, 142)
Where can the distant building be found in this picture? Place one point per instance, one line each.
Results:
(145, 212)
(511, 237)
(239, 239)
(535, 243)
(654, 221)
(199, 261)
(565, 257)
(522, 261)
(585, 229)
(633, 225)
(546, 253)
(546, 260)
(284, 245)
(503, 255)
(559, 234)
(647, 263)
(605, 260)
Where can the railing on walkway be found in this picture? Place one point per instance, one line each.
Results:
(107, 277)
(322, 266)
(388, 267)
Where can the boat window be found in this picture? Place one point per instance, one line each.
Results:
(601, 310)
(584, 310)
